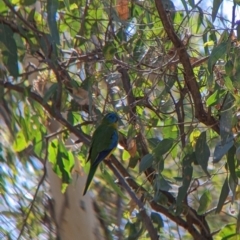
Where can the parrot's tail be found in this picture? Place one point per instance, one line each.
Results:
(92, 171)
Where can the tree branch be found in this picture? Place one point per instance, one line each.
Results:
(189, 77)
(145, 218)
(191, 229)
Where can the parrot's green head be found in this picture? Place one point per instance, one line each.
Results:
(111, 118)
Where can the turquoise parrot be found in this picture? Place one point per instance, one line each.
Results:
(104, 142)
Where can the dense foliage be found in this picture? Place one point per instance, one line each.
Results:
(170, 71)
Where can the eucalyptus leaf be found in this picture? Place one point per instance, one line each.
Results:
(232, 185)
(216, 53)
(157, 219)
(50, 92)
(216, 5)
(163, 146)
(202, 152)
(223, 196)
(20, 143)
(231, 163)
(146, 162)
(8, 50)
(61, 159)
(228, 232)
(221, 149)
(52, 7)
(187, 178)
(204, 202)
(215, 97)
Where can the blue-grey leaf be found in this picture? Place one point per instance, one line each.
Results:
(222, 149)
(52, 7)
(9, 49)
(146, 162)
(202, 152)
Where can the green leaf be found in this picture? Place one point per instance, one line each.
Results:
(232, 185)
(204, 202)
(223, 196)
(69, 162)
(160, 163)
(3, 7)
(169, 82)
(73, 117)
(191, 3)
(139, 50)
(170, 129)
(28, 2)
(157, 219)
(226, 119)
(229, 84)
(48, 46)
(238, 173)
(131, 131)
(210, 80)
(133, 230)
(26, 127)
(146, 162)
(50, 92)
(109, 180)
(66, 3)
(200, 18)
(133, 161)
(61, 159)
(231, 163)
(8, 50)
(238, 155)
(109, 51)
(216, 5)
(187, 177)
(216, 53)
(38, 143)
(52, 7)
(20, 143)
(184, 2)
(229, 67)
(238, 224)
(202, 152)
(163, 146)
(226, 231)
(125, 155)
(215, 97)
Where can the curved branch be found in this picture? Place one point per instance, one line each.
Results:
(189, 77)
(179, 221)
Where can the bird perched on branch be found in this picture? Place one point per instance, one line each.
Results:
(104, 142)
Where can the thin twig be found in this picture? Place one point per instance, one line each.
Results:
(36, 193)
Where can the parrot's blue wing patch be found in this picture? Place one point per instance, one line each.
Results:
(103, 154)
(114, 140)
